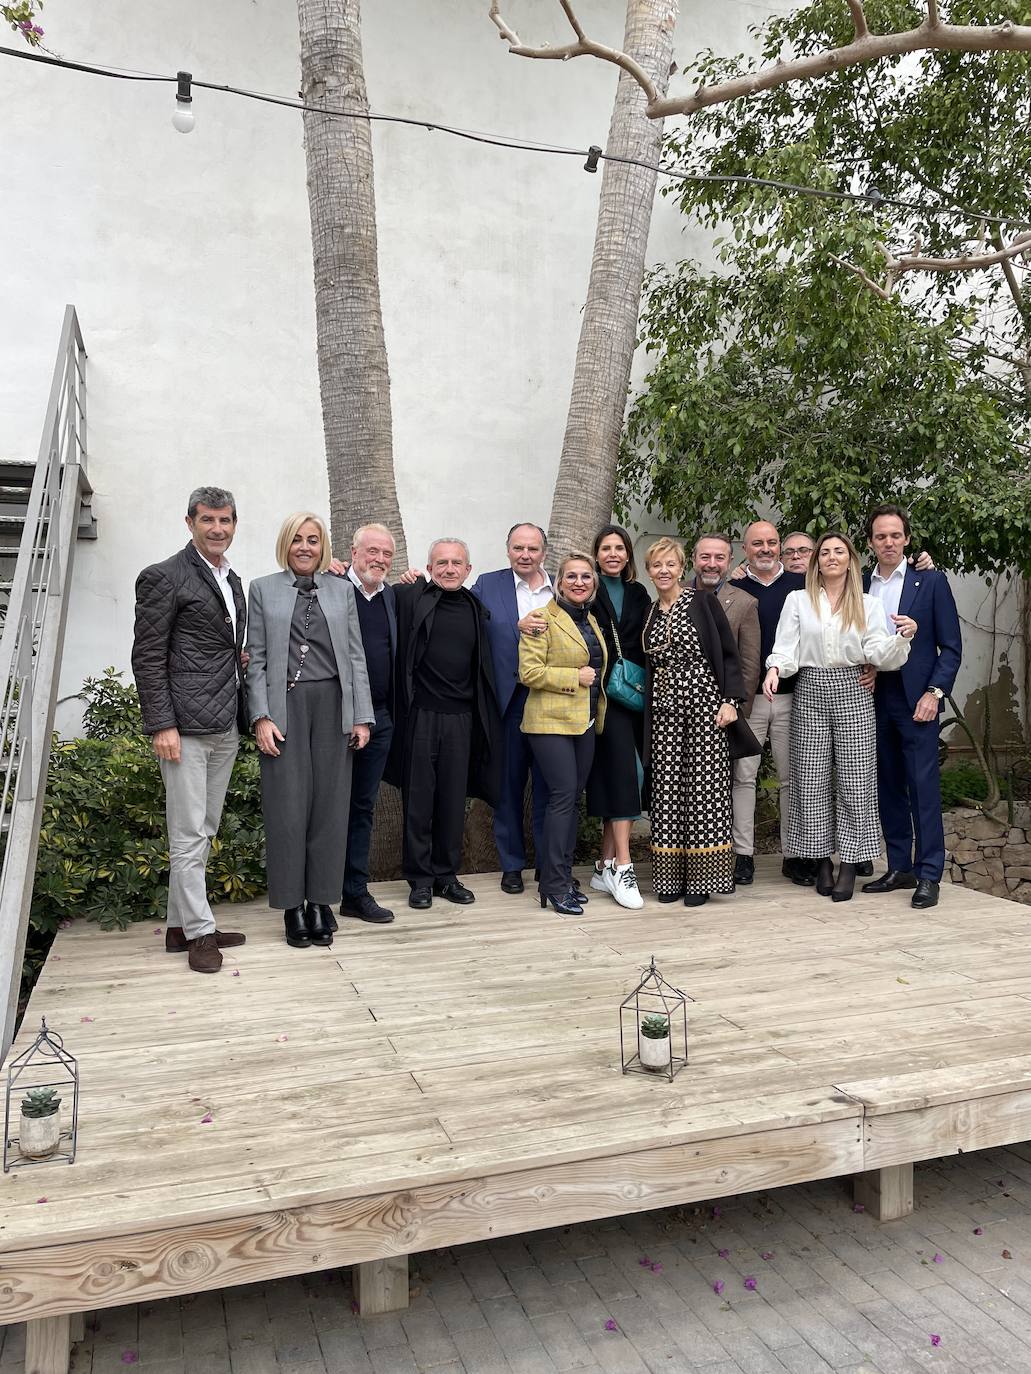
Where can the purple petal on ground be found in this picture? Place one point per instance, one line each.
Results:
(939, 1259)
(610, 1325)
(129, 1357)
(978, 1230)
(750, 1283)
(42, 1199)
(354, 1306)
(281, 1038)
(766, 1255)
(644, 1261)
(718, 1287)
(716, 1212)
(936, 1340)
(85, 1018)
(207, 1120)
(236, 973)
(723, 1254)
(656, 1268)
(858, 1207)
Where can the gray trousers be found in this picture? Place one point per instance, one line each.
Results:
(305, 799)
(195, 789)
(768, 719)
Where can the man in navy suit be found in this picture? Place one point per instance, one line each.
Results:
(372, 552)
(908, 704)
(509, 595)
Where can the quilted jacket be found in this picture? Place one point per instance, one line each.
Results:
(184, 658)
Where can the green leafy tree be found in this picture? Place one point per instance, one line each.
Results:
(783, 379)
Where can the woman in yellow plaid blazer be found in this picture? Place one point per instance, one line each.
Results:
(563, 665)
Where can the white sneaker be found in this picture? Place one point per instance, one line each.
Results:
(623, 886)
(598, 877)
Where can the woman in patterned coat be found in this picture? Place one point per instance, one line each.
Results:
(695, 689)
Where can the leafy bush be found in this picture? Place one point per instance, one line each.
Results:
(103, 850)
(962, 782)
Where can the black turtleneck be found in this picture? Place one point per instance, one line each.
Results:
(578, 615)
(445, 675)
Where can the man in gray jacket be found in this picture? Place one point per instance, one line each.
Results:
(186, 658)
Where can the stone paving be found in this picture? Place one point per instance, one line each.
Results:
(805, 1285)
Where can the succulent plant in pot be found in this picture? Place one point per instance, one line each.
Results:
(653, 1043)
(40, 1130)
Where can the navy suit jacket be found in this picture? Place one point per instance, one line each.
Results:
(496, 591)
(937, 649)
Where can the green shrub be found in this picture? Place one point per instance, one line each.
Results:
(103, 850)
(962, 781)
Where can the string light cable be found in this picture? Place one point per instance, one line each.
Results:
(183, 120)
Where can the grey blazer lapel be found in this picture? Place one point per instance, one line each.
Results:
(333, 596)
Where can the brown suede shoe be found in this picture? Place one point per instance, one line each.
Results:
(205, 956)
(177, 943)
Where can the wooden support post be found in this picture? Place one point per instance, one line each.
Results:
(887, 1194)
(48, 1345)
(78, 1326)
(380, 1285)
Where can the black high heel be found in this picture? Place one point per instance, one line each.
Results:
(296, 930)
(845, 884)
(825, 877)
(565, 906)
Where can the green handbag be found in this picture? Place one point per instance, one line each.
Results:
(626, 681)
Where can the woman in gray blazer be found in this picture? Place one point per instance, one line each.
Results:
(309, 702)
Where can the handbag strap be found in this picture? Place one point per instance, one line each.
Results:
(615, 636)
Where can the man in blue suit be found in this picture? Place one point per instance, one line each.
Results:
(508, 595)
(908, 704)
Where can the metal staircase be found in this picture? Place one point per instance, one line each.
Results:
(44, 509)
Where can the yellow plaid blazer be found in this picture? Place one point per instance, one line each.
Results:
(549, 664)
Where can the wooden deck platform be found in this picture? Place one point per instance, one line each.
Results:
(456, 1076)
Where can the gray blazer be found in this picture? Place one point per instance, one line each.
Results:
(270, 609)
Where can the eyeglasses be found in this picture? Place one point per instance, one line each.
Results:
(797, 553)
(578, 577)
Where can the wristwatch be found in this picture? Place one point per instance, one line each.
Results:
(936, 692)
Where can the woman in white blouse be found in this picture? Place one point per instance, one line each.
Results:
(825, 634)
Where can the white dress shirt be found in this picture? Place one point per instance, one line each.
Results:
(530, 598)
(221, 576)
(359, 585)
(888, 590)
(807, 640)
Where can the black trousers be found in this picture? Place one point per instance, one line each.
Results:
(564, 761)
(434, 781)
(366, 776)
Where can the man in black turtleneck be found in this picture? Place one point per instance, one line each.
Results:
(446, 721)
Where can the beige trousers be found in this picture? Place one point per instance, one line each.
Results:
(768, 720)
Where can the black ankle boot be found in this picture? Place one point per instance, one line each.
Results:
(825, 877)
(296, 930)
(315, 922)
(845, 884)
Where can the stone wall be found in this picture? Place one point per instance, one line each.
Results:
(990, 855)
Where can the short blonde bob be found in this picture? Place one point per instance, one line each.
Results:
(288, 532)
(578, 558)
(666, 545)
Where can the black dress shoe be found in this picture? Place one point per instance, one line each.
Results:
(666, 898)
(802, 872)
(892, 881)
(453, 891)
(744, 869)
(366, 908)
(296, 930)
(315, 921)
(512, 881)
(926, 894)
(420, 898)
(565, 906)
(578, 892)
(865, 869)
(330, 919)
(845, 883)
(695, 898)
(825, 877)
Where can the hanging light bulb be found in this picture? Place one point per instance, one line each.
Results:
(183, 119)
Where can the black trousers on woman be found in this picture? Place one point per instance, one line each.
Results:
(564, 761)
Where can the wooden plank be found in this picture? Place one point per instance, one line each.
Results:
(887, 1194)
(48, 1345)
(947, 1129)
(381, 1285)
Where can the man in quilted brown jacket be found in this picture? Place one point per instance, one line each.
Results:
(186, 657)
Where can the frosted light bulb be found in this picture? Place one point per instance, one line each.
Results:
(183, 119)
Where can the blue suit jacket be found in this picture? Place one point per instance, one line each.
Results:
(937, 649)
(496, 591)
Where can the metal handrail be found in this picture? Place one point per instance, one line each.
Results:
(31, 645)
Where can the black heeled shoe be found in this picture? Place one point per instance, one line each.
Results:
(315, 922)
(296, 930)
(565, 906)
(695, 898)
(825, 877)
(666, 897)
(845, 884)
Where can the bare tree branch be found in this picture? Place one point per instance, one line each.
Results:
(896, 267)
(885, 291)
(582, 47)
(933, 18)
(858, 18)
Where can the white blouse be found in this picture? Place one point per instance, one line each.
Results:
(807, 640)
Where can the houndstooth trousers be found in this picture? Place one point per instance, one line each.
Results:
(833, 767)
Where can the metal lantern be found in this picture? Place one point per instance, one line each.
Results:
(653, 1000)
(46, 1064)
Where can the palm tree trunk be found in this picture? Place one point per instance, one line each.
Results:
(608, 334)
(353, 374)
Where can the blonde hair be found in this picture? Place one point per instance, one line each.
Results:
(851, 607)
(578, 558)
(288, 532)
(665, 545)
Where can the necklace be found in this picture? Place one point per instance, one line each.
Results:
(304, 646)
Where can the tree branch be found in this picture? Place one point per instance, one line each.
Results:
(858, 18)
(582, 47)
(915, 262)
(885, 291)
(933, 18)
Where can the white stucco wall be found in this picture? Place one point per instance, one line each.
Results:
(189, 260)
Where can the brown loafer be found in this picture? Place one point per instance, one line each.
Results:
(205, 955)
(177, 943)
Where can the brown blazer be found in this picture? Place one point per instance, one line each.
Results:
(742, 611)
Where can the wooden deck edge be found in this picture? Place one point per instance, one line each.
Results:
(950, 1128)
(49, 1281)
